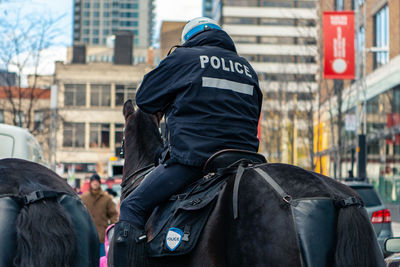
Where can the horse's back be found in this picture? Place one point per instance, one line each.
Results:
(268, 233)
(19, 176)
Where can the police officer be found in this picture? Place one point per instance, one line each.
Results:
(212, 101)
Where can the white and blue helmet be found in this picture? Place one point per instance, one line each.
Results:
(198, 25)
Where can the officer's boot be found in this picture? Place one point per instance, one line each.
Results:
(129, 246)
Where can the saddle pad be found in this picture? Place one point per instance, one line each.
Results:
(175, 227)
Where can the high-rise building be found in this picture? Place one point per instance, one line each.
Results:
(95, 20)
(279, 39)
(207, 8)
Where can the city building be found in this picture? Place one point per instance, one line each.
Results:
(207, 8)
(8, 78)
(40, 81)
(94, 21)
(28, 108)
(279, 39)
(104, 53)
(379, 89)
(170, 35)
(89, 103)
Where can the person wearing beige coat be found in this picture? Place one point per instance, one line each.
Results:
(101, 208)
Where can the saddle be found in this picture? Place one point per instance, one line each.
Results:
(174, 227)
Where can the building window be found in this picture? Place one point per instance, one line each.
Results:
(123, 93)
(96, 5)
(87, 5)
(119, 134)
(339, 5)
(86, 31)
(381, 39)
(96, 23)
(75, 95)
(96, 32)
(86, 14)
(95, 40)
(86, 22)
(19, 118)
(38, 118)
(100, 95)
(99, 135)
(74, 135)
(1, 116)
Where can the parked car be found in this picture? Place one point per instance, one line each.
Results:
(17, 142)
(377, 211)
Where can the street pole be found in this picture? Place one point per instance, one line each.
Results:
(53, 128)
(361, 147)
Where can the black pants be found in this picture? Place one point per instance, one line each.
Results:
(157, 187)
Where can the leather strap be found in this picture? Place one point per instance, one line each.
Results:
(287, 198)
(238, 177)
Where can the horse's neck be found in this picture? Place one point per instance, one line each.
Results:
(141, 144)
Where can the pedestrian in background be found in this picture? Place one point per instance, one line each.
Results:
(101, 208)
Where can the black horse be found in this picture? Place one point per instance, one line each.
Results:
(264, 233)
(43, 222)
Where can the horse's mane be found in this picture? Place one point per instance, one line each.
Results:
(143, 139)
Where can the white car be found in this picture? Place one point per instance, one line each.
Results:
(17, 142)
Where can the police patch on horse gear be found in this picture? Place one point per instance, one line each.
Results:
(173, 238)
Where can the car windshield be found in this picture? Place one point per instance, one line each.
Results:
(368, 195)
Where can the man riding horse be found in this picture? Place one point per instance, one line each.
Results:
(212, 101)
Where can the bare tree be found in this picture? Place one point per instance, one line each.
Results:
(23, 39)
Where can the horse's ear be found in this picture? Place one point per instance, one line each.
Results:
(128, 108)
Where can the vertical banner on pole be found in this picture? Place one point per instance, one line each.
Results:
(339, 45)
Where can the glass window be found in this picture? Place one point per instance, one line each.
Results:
(99, 135)
(38, 118)
(87, 5)
(74, 134)
(86, 22)
(96, 5)
(96, 14)
(95, 40)
(106, 14)
(75, 95)
(381, 39)
(86, 14)
(100, 95)
(1, 116)
(123, 93)
(96, 23)
(119, 134)
(86, 31)
(106, 32)
(20, 118)
(96, 32)
(339, 5)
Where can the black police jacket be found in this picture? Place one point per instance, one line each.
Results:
(210, 95)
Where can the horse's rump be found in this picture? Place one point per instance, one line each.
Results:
(42, 220)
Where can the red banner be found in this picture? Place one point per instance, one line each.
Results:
(339, 45)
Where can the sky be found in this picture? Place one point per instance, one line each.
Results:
(177, 10)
